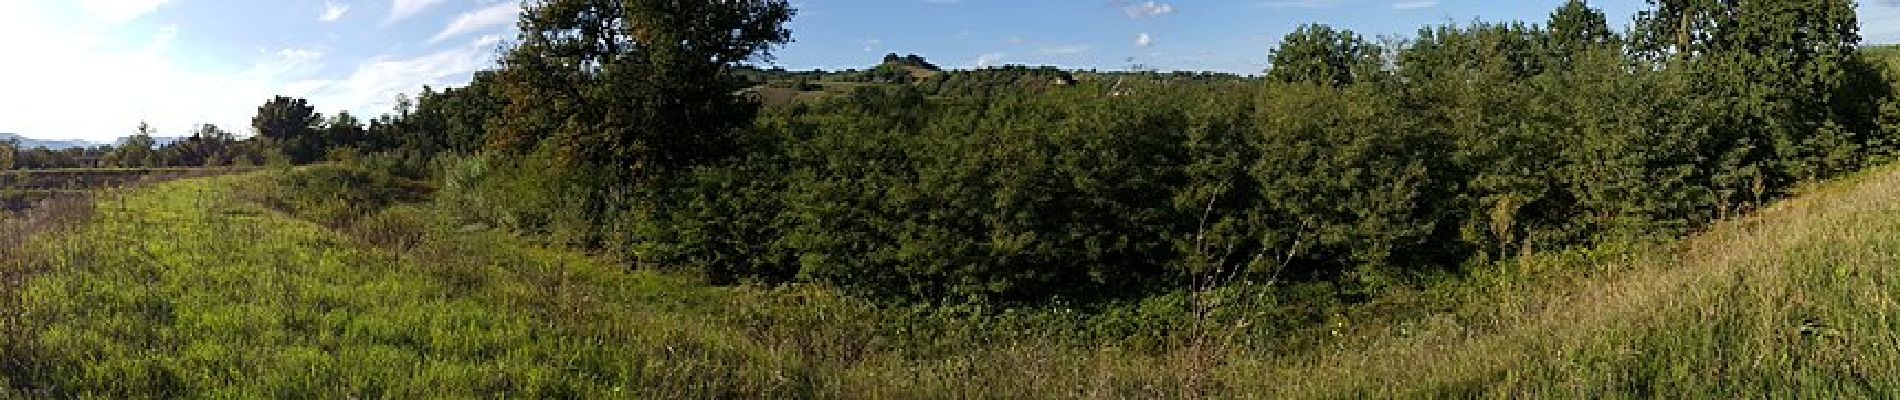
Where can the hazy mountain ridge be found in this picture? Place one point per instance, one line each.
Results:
(27, 142)
(61, 144)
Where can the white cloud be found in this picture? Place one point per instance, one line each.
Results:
(403, 9)
(872, 45)
(82, 87)
(1063, 50)
(300, 55)
(333, 12)
(94, 81)
(1148, 9)
(989, 60)
(120, 11)
(1415, 4)
(372, 88)
(499, 15)
(1144, 40)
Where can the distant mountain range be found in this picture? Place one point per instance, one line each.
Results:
(26, 142)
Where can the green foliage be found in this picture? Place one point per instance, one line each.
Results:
(1575, 27)
(137, 150)
(9, 154)
(533, 195)
(1319, 54)
(335, 193)
(1356, 190)
(1348, 164)
(290, 125)
(188, 289)
(1064, 198)
(654, 79)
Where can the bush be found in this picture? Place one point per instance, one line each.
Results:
(334, 195)
(533, 195)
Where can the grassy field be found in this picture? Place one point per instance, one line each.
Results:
(94, 178)
(249, 286)
(188, 288)
(1796, 302)
(20, 189)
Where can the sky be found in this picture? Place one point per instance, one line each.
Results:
(95, 69)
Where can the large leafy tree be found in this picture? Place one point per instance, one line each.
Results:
(634, 86)
(1790, 92)
(291, 124)
(1321, 54)
(624, 96)
(1575, 27)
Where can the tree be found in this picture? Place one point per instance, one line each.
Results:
(1575, 27)
(344, 130)
(635, 86)
(1320, 54)
(626, 94)
(9, 152)
(137, 150)
(207, 146)
(291, 126)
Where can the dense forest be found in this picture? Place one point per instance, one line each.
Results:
(1351, 166)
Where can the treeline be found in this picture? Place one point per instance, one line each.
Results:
(291, 131)
(206, 146)
(1349, 163)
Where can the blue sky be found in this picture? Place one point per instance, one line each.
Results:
(93, 69)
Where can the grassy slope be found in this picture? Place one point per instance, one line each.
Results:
(1797, 301)
(185, 288)
(189, 289)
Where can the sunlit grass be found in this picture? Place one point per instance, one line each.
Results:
(196, 288)
(1795, 302)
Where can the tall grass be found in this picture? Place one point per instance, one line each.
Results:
(1795, 302)
(265, 286)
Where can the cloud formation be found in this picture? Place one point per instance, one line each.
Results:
(498, 15)
(1415, 4)
(1148, 9)
(372, 87)
(403, 9)
(333, 12)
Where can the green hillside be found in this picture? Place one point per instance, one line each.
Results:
(1796, 302)
(1698, 205)
(218, 287)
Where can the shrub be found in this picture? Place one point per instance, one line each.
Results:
(335, 195)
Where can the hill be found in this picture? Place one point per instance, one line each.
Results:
(1793, 302)
(26, 142)
(380, 297)
(911, 67)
